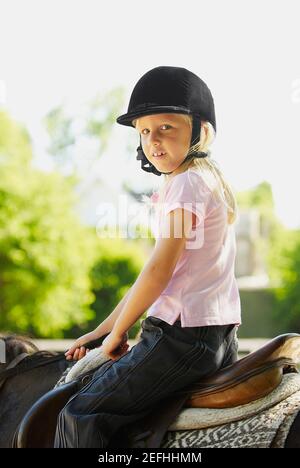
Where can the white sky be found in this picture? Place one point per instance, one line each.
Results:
(246, 51)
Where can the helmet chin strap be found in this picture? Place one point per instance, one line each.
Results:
(195, 138)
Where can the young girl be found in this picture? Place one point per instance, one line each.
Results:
(188, 285)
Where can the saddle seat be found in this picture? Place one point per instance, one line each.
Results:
(246, 380)
(249, 378)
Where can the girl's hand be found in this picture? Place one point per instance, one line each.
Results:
(77, 350)
(115, 346)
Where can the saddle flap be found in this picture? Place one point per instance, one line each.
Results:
(33, 432)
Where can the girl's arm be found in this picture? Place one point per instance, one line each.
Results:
(78, 350)
(157, 272)
(152, 280)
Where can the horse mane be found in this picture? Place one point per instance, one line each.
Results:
(18, 344)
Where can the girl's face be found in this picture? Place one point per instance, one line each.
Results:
(167, 133)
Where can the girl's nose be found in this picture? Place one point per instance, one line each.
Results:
(154, 138)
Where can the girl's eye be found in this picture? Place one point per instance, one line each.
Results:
(165, 125)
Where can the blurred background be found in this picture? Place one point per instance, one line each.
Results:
(67, 70)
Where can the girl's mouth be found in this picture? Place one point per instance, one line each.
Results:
(161, 156)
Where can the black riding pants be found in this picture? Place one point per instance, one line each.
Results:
(167, 358)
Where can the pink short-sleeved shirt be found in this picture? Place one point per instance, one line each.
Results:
(203, 289)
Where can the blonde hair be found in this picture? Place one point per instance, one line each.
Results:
(209, 169)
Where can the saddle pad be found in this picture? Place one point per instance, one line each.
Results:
(268, 429)
(198, 418)
(90, 361)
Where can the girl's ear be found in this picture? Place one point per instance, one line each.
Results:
(204, 127)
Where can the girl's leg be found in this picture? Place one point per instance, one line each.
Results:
(231, 353)
(168, 358)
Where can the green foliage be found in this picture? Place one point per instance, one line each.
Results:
(88, 130)
(15, 145)
(259, 307)
(261, 198)
(57, 279)
(280, 248)
(59, 127)
(45, 253)
(117, 266)
(101, 115)
(285, 263)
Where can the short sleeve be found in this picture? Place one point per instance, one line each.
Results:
(185, 192)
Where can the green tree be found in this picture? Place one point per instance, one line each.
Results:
(86, 132)
(118, 263)
(15, 144)
(45, 252)
(285, 270)
(280, 248)
(271, 229)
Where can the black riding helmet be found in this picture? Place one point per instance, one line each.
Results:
(170, 90)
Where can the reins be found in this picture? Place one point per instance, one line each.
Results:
(11, 365)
